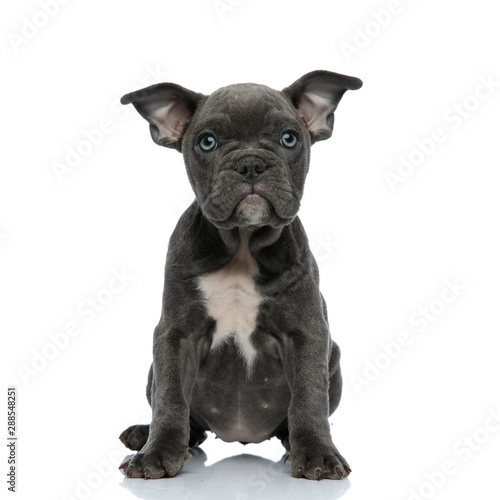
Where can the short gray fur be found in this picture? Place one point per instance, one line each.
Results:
(251, 183)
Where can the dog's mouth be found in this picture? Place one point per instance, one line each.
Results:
(253, 210)
(265, 197)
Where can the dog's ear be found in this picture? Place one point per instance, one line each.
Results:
(316, 96)
(168, 108)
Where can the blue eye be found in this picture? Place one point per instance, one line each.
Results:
(207, 143)
(289, 140)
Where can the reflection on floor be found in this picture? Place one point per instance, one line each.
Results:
(240, 477)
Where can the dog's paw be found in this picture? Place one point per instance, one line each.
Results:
(135, 437)
(155, 464)
(314, 463)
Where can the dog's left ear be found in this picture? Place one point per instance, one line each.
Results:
(316, 96)
(168, 108)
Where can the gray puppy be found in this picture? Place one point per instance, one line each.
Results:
(243, 347)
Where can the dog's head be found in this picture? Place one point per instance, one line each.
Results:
(245, 146)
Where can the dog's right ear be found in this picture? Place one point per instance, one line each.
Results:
(316, 96)
(168, 108)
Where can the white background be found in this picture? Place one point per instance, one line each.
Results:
(383, 253)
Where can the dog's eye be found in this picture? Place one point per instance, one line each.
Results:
(289, 140)
(207, 143)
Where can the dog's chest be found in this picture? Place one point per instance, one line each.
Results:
(233, 301)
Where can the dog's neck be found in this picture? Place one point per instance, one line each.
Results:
(275, 249)
(256, 239)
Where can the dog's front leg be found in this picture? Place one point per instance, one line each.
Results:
(175, 367)
(312, 452)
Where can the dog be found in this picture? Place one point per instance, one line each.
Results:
(243, 347)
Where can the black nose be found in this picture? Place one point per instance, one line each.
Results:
(250, 168)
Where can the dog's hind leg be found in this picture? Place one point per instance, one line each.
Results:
(282, 434)
(135, 436)
(197, 434)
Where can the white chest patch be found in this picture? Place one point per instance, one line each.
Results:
(233, 300)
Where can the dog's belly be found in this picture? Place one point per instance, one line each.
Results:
(236, 406)
(240, 395)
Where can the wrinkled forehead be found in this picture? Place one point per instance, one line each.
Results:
(252, 104)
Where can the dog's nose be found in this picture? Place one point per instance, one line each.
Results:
(250, 168)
